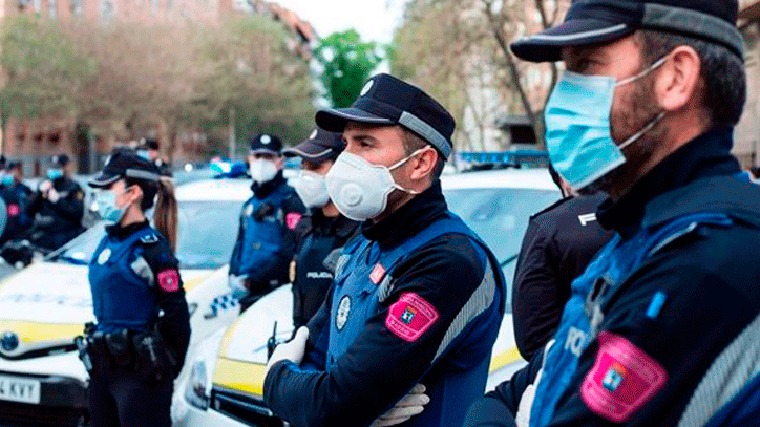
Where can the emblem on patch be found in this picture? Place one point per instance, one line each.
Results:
(624, 378)
(169, 280)
(150, 238)
(377, 274)
(104, 256)
(344, 308)
(410, 317)
(265, 139)
(13, 210)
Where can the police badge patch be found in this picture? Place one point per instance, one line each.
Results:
(344, 308)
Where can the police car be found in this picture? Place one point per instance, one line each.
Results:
(225, 385)
(43, 307)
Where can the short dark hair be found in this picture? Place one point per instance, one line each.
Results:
(413, 142)
(722, 72)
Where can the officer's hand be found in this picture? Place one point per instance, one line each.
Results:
(292, 350)
(53, 195)
(412, 404)
(45, 186)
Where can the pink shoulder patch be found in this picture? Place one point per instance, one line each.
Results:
(623, 379)
(169, 280)
(410, 317)
(292, 220)
(13, 210)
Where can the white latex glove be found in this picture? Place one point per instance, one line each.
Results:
(53, 195)
(237, 284)
(46, 185)
(411, 404)
(292, 350)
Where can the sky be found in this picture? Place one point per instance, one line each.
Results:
(374, 19)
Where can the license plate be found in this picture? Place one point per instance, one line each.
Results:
(21, 390)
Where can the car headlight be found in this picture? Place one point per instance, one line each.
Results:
(198, 388)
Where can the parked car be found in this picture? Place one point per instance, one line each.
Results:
(45, 306)
(225, 385)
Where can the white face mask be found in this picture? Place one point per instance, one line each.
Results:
(360, 189)
(263, 170)
(310, 187)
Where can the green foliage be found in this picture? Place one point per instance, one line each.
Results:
(348, 63)
(42, 68)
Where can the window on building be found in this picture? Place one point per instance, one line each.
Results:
(53, 9)
(76, 7)
(38, 6)
(153, 7)
(108, 9)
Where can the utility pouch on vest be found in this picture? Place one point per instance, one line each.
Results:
(120, 347)
(155, 360)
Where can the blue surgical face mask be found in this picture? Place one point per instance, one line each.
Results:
(578, 135)
(144, 154)
(107, 208)
(7, 180)
(54, 173)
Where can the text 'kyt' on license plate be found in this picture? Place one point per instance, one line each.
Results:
(22, 390)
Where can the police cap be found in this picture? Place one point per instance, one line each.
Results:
(386, 100)
(124, 163)
(321, 145)
(265, 143)
(599, 21)
(59, 160)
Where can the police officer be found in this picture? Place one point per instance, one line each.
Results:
(149, 150)
(133, 354)
(558, 245)
(661, 329)
(322, 232)
(16, 196)
(266, 239)
(417, 299)
(58, 206)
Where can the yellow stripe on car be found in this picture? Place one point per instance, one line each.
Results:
(32, 332)
(190, 284)
(240, 376)
(505, 358)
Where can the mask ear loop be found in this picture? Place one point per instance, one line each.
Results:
(643, 73)
(398, 165)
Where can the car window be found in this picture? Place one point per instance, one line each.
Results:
(207, 232)
(500, 217)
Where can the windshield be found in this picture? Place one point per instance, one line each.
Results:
(207, 232)
(500, 217)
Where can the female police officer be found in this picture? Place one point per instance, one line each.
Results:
(139, 342)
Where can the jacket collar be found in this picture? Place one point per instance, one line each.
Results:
(408, 220)
(120, 233)
(264, 189)
(706, 156)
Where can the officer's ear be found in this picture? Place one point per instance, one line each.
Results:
(135, 194)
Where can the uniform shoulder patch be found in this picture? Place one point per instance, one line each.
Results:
(292, 220)
(410, 316)
(168, 280)
(624, 378)
(150, 238)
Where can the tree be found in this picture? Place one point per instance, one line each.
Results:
(348, 63)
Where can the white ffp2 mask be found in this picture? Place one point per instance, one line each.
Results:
(263, 170)
(310, 187)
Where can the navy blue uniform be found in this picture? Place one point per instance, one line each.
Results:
(416, 300)
(17, 198)
(57, 223)
(558, 245)
(317, 240)
(662, 327)
(266, 240)
(133, 274)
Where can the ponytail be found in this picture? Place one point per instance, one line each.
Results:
(165, 215)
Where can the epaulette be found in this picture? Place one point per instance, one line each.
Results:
(150, 238)
(556, 204)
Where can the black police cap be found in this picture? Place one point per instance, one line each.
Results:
(386, 100)
(59, 160)
(599, 21)
(124, 163)
(265, 143)
(321, 145)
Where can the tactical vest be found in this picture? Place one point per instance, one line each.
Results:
(262, 237)
(360, 288)
(120, 298)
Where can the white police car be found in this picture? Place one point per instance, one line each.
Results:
(42, 308)
(225, 386)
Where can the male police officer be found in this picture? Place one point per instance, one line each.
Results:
(558, 245)
(662, 327)
(417, 297)
(321, 234)
(58, 206)
(16, 196)
(266, 239)
(149, 150)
